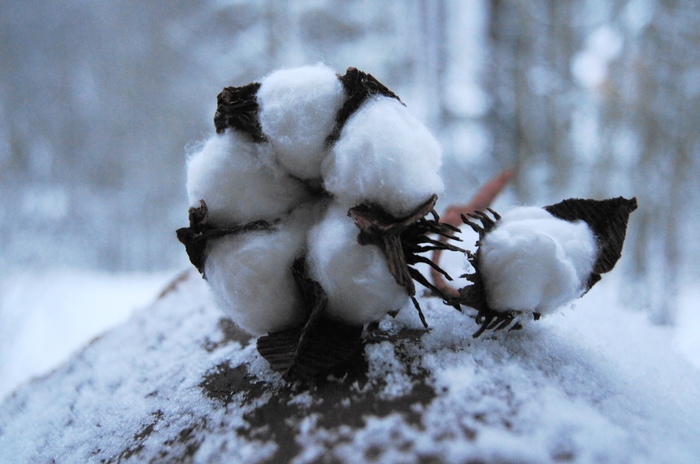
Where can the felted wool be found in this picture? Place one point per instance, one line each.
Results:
(297, 113)
(356, 278)
(534, 262)
(240, 182)
(384, 156)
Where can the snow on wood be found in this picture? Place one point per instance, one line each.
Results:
(179, 383)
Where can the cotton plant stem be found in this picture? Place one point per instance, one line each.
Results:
(453, 216)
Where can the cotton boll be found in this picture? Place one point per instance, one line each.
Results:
(356, 277)
(384, 156)
(250, 275)
(239, 181)
(297, 112)
(534, 262)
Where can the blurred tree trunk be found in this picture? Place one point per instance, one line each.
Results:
(532, 44)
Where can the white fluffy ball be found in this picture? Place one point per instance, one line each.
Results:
(384, 156)
(356, 277)
(250, 274)
(532, 261)
(239, 181)
(297, 112)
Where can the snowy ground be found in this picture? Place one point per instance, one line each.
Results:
(46, 316)
(687, 332)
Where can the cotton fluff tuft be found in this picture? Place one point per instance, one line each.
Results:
(356, 277)
(251, 273)
(534, 262)
(297, 113)
(239, 181)
(384, 156)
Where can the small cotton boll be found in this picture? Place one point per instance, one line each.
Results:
(297, 112)
(240, 182)
(534, 262)
(384, 156)
(356, 277)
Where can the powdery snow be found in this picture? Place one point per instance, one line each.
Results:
(687, 322)
(534, 262)
(46, 316)
(177, 382)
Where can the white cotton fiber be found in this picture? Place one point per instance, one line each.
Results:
(239, 181)
(297, 113)
(385, 156)
(535, 262)
(356, 277)
(250, 274)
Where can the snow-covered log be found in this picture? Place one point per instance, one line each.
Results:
(179, 383)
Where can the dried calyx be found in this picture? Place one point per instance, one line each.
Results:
(319, 345)
(474, 295)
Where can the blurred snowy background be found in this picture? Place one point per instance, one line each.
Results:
(100, 100)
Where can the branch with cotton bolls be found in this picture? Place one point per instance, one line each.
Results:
(314, 202)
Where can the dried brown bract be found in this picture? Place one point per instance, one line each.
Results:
(237, 108)
(196, 236)
(320, 345)
(608, 221)
(474, 295)
(358, 86)
(401, 240)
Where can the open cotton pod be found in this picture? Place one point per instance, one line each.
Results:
(345, 148)
(534, 260)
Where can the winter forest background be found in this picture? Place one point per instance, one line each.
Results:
(101, 101)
